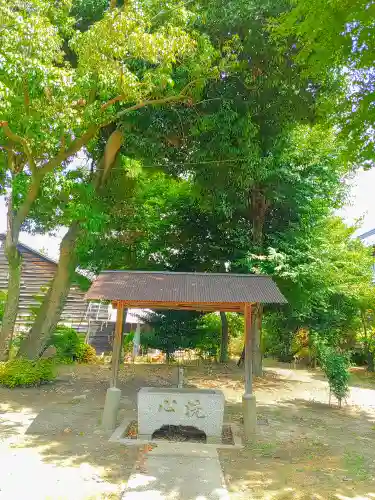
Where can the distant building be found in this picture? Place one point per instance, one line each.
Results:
(37, 273)
(95, 319)
(368, 238)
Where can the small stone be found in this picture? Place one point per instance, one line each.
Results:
(345, 478)
(262, 421)
(77, 399)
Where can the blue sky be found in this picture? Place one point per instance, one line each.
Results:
(361, 204)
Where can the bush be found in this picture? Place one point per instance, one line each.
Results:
(170, 331)
(209, 327)
(358, 357)
(85, 353)
(67, 343)
(71, 347)
(128, 343)
(24, 373)
(335, 365)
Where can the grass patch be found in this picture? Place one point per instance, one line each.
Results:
(355, 463)
(360, 377)
(263, 449)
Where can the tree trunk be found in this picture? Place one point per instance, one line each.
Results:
(13, 295)
(49, 313)
(258, 206)
(224, 338)
(256, 331)
(241, 361)
(257, 340)
(14, 281)
(370, 361)
(122, 351)
(369, 354)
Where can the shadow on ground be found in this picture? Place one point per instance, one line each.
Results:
(59, 440)
(304, 449)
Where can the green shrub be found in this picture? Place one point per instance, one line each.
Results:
(236, 346)
(67, 343)
(335, 365)
(128, 343)
(71, 347)
(209, 326)
(24, 373)
(85, 353)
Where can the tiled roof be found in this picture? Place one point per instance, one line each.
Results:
(150, 286)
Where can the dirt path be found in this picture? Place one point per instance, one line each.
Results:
(312, 386)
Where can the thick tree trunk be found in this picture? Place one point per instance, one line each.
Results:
(224, 338)
(369, 354)
(14, 281)
(13, 295)
(50, 311)
(370, 361)
(257, 340)
(256, 331)
(258, 208)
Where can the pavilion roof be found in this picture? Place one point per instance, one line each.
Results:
(201, 291)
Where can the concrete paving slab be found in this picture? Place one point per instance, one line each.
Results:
(166, 475)
(180, 449)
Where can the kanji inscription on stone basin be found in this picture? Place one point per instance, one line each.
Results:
(200, 408)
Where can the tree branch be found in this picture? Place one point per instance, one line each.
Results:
(112, 101)
(92, 93)
(208, 100)
(10, 160)
(105, 165)
(20, 140)
(152, 102)
(75, 146)
(182, 4)
(25, 207)
(26, 97)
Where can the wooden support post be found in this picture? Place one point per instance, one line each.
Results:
(117, 344)
(113, 396)
(124, 316)
(248, 351)
(248, 399)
